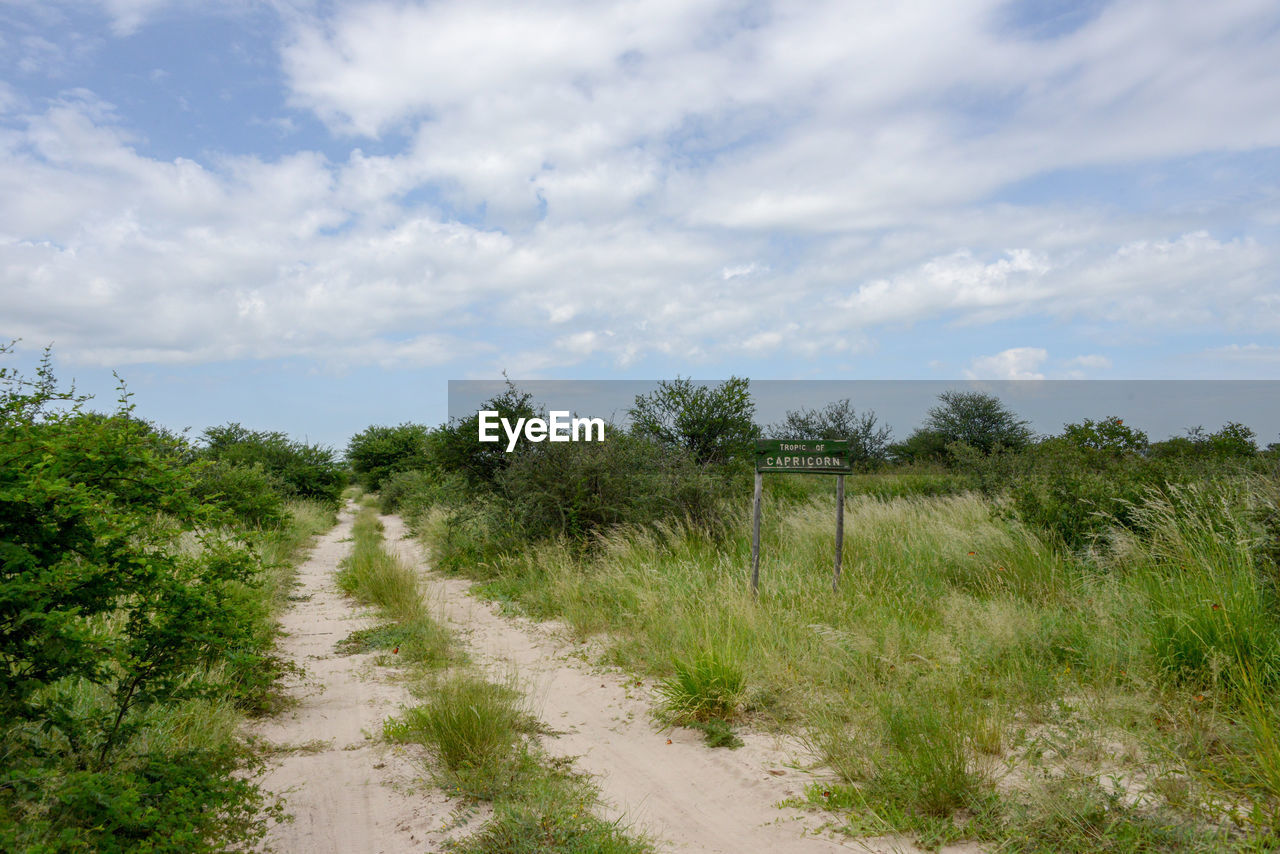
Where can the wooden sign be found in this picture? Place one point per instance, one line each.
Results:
(800, 457)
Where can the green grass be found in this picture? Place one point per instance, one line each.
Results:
(474, 730)
(960, 643)
(479, 735)
(700, 689)
(374, 575)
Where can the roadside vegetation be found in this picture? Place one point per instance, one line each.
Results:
(1066, 642)
(480, 737)
(139, 577)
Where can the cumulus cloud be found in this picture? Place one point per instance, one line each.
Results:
(584, 181)
(1016, 363)
(1092, 360)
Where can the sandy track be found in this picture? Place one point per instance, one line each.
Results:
(687, 796)
(351, 794)
(348, 793)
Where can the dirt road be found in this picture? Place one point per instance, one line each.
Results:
(350, 793)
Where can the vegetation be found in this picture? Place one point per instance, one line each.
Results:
(868, 439)
(378, 452)
(712, 423)
(1058, 643)
(478, 735)
(135, 629)
(306, 471)
(374, 575)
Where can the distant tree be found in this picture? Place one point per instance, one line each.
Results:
(377, 452)
(456, 446)
(1109, 434)
(307, 471)
(977, 419)
(921, 446)
(838, 420)
(713, 423)
(1232, 440)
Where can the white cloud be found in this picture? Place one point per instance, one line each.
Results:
(1092, 360)
(630, 172)
(1016, 363)
(1246, 353)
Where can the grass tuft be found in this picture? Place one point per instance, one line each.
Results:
(701, 688)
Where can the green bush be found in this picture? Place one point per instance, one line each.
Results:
(577, 488)
(713, 423)
(701, 688)
(252, 495)
(120, 595)
(184, 803)
(413, 493)
(307, 471)
(376, 453)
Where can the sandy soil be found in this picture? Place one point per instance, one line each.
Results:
(688, 797)
(350, 793)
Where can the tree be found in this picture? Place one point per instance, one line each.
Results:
(713, 423)
(977, 419)
(94, 582)
(838, 420)
(378, 452)
(1109, 434)
(456, 446)
(307, 471)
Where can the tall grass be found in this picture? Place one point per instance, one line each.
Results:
(956, 638)
(375, 575)
(1212, 613)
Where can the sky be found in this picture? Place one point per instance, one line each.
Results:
(308, 216)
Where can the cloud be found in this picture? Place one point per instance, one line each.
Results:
(1016, 363)
(1246, 353)
(609, 182)
(1088, 361)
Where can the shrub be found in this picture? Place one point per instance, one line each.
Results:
(308, 471)
(413, 493)
(972, 418)
(576, 488)
(119, 595)
(713, 423)
(249, 493)
(378, 452)
(456, 446)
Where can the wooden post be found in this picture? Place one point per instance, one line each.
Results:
(755, 537)
(835, 580)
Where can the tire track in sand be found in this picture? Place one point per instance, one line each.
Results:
(349, 793)
(689, 797)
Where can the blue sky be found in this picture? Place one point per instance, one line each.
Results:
(308, 216)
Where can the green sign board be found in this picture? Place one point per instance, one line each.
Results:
(786, 455)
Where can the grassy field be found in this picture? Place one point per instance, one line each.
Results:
(971, 679)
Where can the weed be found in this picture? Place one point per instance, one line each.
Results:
(717, 733)
(702, 688)
(475, 731)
